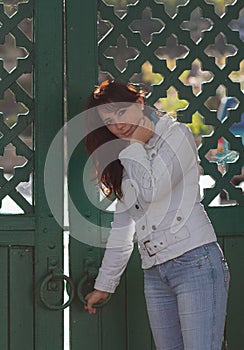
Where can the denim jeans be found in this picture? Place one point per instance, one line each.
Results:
(186, 300)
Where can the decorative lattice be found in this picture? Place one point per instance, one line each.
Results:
(16, 103)
(192, 51)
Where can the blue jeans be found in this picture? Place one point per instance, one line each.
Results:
(186, 300)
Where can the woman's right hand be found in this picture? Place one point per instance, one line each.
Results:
(144, 131)
(95, 297)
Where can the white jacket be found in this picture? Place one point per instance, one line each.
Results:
(161, 203)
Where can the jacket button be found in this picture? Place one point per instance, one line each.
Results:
(161, 243)
(143, 227)
(137, 206)
(155, 246)
(154, 227)
(178, 218)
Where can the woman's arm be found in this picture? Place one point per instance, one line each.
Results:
(118, 251)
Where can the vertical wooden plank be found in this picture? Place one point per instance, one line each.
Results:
(234, 251)
(114, 320)
(49, 102)
(86, 330)
(139, 334)
(21, 298)
(82, 64)
(4, 298)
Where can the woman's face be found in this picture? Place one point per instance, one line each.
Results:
(122, 122)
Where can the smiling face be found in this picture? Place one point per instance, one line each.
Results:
(121, 119)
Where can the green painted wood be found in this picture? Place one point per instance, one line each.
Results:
(4, 291)
(234, 248)
(34, 239)
(17, 222)
(20, 303)
(139, 334)
(49, 119)
(81, 25)
(124, 319)
(85, 330)
(17, 238)
(113, 320)
(227, 221)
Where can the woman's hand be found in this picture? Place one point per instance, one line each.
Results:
(144, 131)
(95, 297)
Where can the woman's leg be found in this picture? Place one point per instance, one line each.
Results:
(162, 310)
(200, 280)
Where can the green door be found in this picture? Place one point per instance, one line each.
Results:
(189, 56)
(31, 242)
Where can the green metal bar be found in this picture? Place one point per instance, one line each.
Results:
(82, 74)
(4, 298)
(48, 93)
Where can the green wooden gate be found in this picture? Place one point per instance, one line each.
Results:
(108, 39)
(70, 46)
(31, 243)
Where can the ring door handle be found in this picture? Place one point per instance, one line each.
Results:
(81, 296)
(59, 277)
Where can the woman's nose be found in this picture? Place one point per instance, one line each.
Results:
(120, 125)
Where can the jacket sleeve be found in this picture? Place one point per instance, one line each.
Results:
(118, 250)
(173, 158)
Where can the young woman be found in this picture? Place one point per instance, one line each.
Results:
(150, 164)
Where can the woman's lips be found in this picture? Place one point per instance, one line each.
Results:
(129, 131)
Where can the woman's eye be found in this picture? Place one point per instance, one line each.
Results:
(107, 122)
(121, 112)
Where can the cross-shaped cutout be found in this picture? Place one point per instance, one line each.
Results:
(12, 8)
(11, 109)
(172, 51)
(147, 76)
(223, 154)
(147, 26)
(238, 76)
(220, 6)
(196, 77)
(10, 53)
(238, 24)
(220, 50)
(121, 53)
(197, 25)
(11, 159)
(172, 103)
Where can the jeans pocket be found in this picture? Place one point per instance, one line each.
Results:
(193, 257)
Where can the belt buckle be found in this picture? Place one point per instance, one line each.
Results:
(148, 252)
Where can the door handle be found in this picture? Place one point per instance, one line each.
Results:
(91, 272)
(80, 286)
(55, 277)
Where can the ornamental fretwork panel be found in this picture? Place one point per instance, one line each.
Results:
(16, 106)
(189, 58)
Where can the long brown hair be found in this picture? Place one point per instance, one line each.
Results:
(109, 175)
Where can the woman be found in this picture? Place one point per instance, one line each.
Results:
(151, 167)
